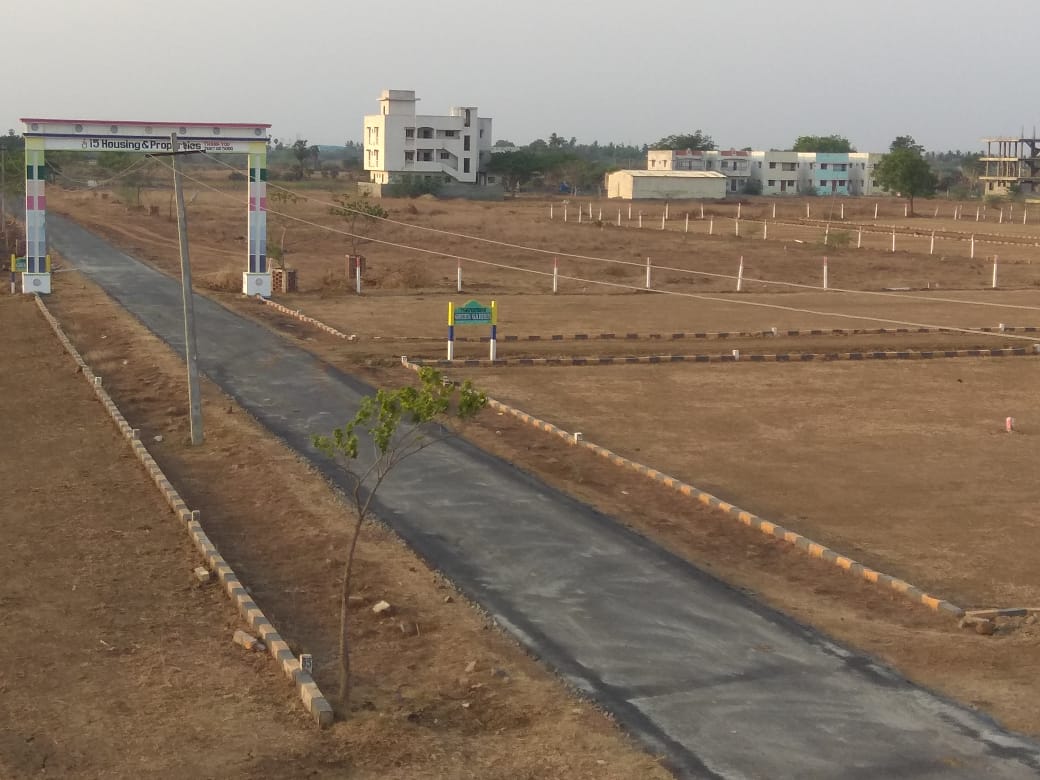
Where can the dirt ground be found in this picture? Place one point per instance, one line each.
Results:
(907, 469)
(121, 667)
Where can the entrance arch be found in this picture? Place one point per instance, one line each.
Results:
(95, 135)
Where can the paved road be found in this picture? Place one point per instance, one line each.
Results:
(720, 685)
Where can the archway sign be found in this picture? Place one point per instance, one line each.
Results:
(93, 135)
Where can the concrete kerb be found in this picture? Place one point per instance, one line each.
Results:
(812, 548)
(313, 700)
(733, 357)
(296, 314)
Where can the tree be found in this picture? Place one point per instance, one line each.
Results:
(696, 141)
(904, 171)
(359, 213)
(906, 142)
(823, 143)
(398, 424)
(301, 151)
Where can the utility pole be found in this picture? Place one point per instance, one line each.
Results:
(3, 189)
(190, 346)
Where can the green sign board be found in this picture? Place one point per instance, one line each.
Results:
(474, 313)
(18, 264)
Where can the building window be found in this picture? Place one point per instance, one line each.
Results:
(465, 142)
(409, 132)
(772, 182)
(843, 183)
(823, 166)
(467, 118)
(444, 155)
(772, 165)
(465, 165)
(482, 132)
(760, 166)
(409, 156)
(491, 180)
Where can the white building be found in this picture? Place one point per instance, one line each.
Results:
(779, 173)
(734, 164)
(666, 185)
(448, 149)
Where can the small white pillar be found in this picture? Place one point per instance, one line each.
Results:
(740, 274)
(825, 280)
(648, 273)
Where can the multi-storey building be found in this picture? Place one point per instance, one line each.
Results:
(734, 164)
(1011, 163)
(779, 173)
(447, 149)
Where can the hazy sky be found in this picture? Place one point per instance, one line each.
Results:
(749, 73)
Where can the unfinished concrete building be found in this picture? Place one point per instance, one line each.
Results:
(1011, 165)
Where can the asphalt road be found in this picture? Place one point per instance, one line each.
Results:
(703, 675)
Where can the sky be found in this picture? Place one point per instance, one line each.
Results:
(755, 73)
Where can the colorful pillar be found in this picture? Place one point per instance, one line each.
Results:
(257, 279)
(37, 275)
(451, 331)
(493, 343)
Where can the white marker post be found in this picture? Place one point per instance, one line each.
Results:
(973, 246)
(859, 239)
(711, 226)
(740, 274)
(590, 211)
(931, 248)
(1024, 212)
(995, 260)
(619, 217)
(936, 214)
(825, 273)
(357, 276)
(843, 211)
(736, 228)
(906, 209)
(579, 215)
(640, 219)
(977, 211)
(875, 212)
(807, 211)
(459, 274)
(739, 204)
(564, 212)
(663, 218)
(765, 230)
(666, 210)
(601, 215)
(893, 240)
(648, 273)
(774, 209)
(687, 228)
(556, 275)
(629, 212)
(1000, 220)
(827, 234)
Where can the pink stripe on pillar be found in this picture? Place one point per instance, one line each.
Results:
(263, 204)
(30, 201)
(252, 204)
(41, 202)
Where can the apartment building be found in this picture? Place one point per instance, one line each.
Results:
(734, 164)
(779, 173)
(449, 149)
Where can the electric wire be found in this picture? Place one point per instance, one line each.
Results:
(619, 285)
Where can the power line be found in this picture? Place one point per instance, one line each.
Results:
(555, 253)
(635, 288)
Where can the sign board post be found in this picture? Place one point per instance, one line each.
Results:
(473, 313)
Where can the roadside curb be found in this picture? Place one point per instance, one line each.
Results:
(296, 314)
(722, 334)
(313, 700)
(735, 357)
(807, 545)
